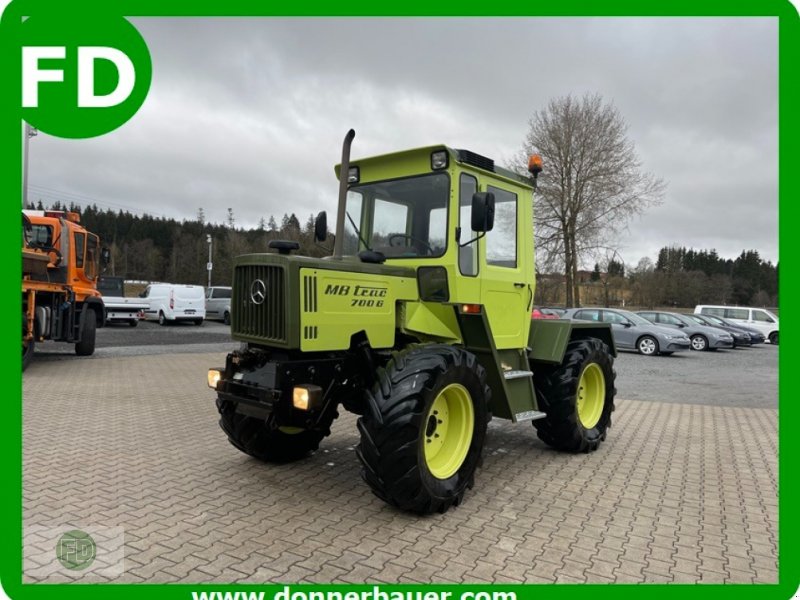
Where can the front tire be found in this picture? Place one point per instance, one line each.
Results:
(699, 343)
(647, 345)
(28, 348)
(86, 346)
(423, 431)
(773, 338)
(226, 318)
(577, 396)
(266, 439)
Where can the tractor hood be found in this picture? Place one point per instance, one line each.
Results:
(292, 301)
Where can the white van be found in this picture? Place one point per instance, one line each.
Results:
(170, 302)
(757, 318)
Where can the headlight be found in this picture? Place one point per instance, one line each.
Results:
(214, 375)
(439, 160)
(676, 337)
(353, 175)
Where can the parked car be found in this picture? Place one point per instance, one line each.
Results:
(556, 310)
(755, 318)
(170, 302)
(740, 336)
(756, 337)
(702, 337)
(633, 332)
(218, 304)
(540, 312)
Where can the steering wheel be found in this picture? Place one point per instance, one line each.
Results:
(405, 236)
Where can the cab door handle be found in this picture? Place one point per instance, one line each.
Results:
(518, 284)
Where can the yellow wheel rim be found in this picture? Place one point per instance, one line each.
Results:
(448, 431)
(591, 395)
(290, 430)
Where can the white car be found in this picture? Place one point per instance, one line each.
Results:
(757, 318)
(171, 302)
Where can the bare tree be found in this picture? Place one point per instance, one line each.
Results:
(592, 183)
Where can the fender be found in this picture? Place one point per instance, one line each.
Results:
(95, 304)
(549, 338)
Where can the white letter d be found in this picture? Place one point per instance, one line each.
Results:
(87, 55)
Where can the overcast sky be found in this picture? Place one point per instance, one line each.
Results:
(250, 114)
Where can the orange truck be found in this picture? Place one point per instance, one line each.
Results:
(61, 262)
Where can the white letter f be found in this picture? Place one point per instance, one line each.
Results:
(32, 75)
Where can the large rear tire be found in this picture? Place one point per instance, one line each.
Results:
(578, 397)
(268, 440)
(86, 346)
(424, 427)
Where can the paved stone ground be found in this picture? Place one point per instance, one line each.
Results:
(678, 493)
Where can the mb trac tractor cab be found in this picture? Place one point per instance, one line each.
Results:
(61, 262)
(420, 322)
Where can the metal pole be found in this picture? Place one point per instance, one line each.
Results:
(29, 133)
(208, 238)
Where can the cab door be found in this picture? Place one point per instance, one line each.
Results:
(506, 290)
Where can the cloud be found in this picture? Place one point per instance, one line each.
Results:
(250, 113)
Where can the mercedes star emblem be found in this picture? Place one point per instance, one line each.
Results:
(258, 292)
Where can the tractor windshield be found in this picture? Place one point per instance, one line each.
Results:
(401, 218)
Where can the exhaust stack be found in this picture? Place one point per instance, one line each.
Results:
(341, 213)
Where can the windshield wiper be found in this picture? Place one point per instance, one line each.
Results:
(358, 233)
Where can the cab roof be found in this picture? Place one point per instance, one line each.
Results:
(417, 160)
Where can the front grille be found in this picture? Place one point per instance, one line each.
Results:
(266, 320)
(310, 293)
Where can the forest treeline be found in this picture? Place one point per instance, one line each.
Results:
(150, 248)
(680, 277)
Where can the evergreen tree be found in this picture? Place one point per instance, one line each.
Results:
(595, 273)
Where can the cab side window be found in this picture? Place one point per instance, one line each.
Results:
(90, 268)
(501, 241)
(467, 255)
(80, 246)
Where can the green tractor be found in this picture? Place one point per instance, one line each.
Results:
(419, 322)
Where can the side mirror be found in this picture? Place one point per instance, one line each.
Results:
(321, 227)
(105, 256)
(627, 324)
(482, 211)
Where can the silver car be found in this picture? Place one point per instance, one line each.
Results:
(702, 337)
(218, 303)
(633, 332)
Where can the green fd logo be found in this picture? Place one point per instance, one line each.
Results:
(82, 79)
